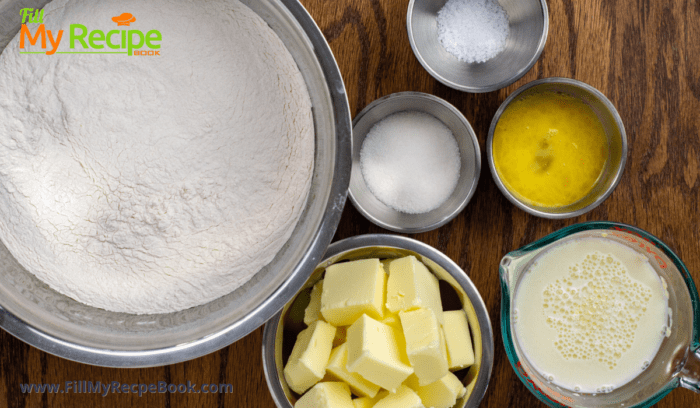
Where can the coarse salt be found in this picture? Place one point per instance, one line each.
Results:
(473, 30)
(410, 162)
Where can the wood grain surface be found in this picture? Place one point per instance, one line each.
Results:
(643, 54)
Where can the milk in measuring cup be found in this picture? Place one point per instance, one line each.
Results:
(590, 314)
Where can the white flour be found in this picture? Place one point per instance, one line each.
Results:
(153, 184)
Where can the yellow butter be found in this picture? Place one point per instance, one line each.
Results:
(313, 310)
(351, 289)
(460, 352)
(392, 319)
(439, 394)
(326, 395)
(424, 346)
(307, 363)
(411, 285)
(337, 367)
(374, 353)
(363, 402)
(403, 398)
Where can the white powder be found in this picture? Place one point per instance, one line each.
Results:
(153, 184)
(473, 30)
(410, 162)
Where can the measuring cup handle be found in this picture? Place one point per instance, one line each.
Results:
(690, 374)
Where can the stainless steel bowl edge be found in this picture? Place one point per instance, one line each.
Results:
(397, 242)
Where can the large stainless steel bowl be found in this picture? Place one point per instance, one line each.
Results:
(42, 317)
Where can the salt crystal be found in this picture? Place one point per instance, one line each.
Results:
(410, 162)
(473, 30)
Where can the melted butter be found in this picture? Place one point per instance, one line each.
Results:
(549, 149)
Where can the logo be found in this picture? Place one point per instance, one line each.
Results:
(124, 20)
(85, 41)
(29, 15)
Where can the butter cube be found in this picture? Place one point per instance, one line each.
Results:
(313, 310)
(460, 353)
(440, 394)
(411, 285)
(443, 346)
(374, 353)
(392, 319)
(424, 346)
(363, 402)
(351, 289)
(326, 395)
(307, 363)
(337, 367)
(403, 398)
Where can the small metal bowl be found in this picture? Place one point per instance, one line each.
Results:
(528, 23)
(456, 288)
(614, 130)
(470, 169)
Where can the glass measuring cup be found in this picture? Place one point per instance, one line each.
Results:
(677, 362)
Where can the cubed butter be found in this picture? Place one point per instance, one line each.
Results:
(363, 402)
(392, 319)
(374, 353)
(424, 346)
(337, 367)
(403, 398)
(460, 353)
(351, 289)
(326, 395)
(411, 285)
(442, 393)
(307, 363)
(313, 310)
(443, 346)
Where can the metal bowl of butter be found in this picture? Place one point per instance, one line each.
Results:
(456, 289)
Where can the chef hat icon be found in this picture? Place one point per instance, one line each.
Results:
(124, 20)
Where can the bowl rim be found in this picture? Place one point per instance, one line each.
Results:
(235, 330)
(618, 173)
(477, 163)
(486, 88)
(272, 377)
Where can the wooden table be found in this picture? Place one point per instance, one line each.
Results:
(643, 54)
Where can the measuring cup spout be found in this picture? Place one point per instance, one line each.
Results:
(690, 374)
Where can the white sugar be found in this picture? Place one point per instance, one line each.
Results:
(473, 30)
(410, 162)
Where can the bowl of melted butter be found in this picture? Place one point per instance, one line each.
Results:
(557, 148)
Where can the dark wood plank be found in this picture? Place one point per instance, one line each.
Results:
(643, 54)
